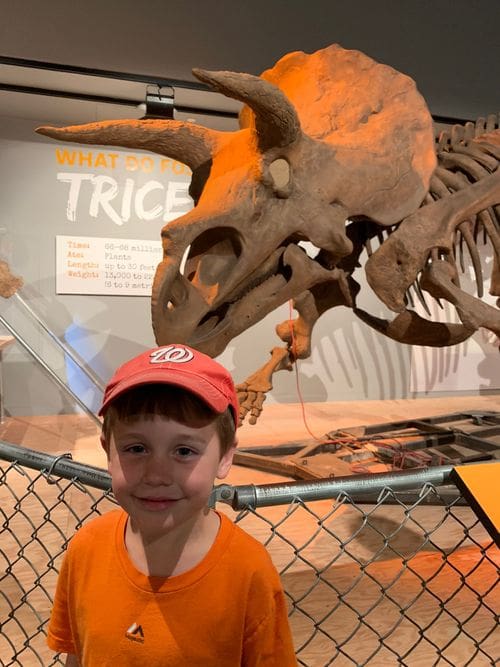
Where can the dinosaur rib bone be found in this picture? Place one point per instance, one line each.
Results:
(432, 226)
(437, 280)
(408, 327)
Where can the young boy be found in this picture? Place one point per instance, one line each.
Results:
(166, 581)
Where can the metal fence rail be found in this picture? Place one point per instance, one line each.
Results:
(390, 570)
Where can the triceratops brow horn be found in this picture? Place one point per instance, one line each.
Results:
(186, 142)
(276, 120)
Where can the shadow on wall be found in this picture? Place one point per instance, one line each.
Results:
(349, 361)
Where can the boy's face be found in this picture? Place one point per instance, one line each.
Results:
(163, 471)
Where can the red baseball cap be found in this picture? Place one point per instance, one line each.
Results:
(181, 366)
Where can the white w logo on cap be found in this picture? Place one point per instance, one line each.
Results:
(177, 355)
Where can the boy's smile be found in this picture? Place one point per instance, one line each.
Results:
(157, 504)
(163, 472)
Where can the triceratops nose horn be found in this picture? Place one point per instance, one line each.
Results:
(276, 120)
(188, 143)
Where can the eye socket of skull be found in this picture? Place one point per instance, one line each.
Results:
(213, 256)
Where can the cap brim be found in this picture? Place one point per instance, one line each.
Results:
(196, 384)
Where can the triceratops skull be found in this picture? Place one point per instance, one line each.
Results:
(324, 138)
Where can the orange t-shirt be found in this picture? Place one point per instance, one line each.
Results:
(227, 611)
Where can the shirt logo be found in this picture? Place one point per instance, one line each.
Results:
(177, 355)
(135, 633)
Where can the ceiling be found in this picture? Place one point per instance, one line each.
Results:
(451, 48)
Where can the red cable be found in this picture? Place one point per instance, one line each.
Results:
(297, 383)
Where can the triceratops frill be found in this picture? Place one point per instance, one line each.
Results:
(333, 148)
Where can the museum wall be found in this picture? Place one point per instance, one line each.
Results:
(54, 197)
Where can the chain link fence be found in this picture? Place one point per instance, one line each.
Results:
(387, 570)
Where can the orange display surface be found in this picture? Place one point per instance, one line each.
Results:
(480, 485)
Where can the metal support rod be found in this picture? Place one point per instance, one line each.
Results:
(60, 466)
(50, 372)
(65, 348)
(285, 493)
(245, 496)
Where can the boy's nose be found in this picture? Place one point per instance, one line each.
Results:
(158, 471)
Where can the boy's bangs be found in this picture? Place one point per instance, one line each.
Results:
(161, 400)
(165, 401)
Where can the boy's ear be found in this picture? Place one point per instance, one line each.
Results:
(226, 462)
(103, 443)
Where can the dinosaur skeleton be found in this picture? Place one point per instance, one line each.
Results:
(337, 150)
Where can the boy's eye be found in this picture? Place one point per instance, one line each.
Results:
(185, 452)
(135, 449)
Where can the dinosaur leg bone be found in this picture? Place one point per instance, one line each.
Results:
(297, 333)
(252, 392)
(310, 305)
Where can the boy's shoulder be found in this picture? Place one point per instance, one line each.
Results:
(250, 548)
(97, 529)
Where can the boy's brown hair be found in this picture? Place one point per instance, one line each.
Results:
(170, 402)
